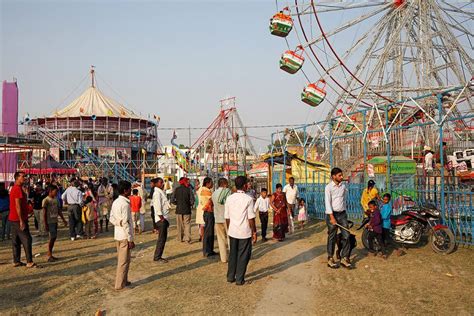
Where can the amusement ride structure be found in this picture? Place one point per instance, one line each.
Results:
(223, 149)
(391, 71)
(99, 137)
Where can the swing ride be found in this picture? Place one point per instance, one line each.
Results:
(223, 149)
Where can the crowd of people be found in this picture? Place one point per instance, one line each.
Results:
(228, 211)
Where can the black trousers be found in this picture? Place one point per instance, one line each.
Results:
(264, 221)
(239, 257)
(376, 236)
(153, 217)
(208, 239)
(75, 220)
(162, 226)
(21, 237)
(341, 219)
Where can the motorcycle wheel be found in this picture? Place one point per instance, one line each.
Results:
(442, 241)
(365, 241)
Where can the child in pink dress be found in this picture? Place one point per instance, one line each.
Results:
(302, 217)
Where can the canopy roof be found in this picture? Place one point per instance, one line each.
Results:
(94, 102)
(49, 165)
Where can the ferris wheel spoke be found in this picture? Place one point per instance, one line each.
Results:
(347, 25)
(386, 51)
(364, 61)
(448, 35)
(324, 8)
(315, 55)
(455, 9)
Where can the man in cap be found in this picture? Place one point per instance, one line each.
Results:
(428, 167)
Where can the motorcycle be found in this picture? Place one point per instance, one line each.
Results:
(416, 221)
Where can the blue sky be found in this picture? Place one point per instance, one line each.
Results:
(172, 58)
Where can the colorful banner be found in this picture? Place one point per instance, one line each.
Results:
(123, 155)
(107, 153)
(9, 126)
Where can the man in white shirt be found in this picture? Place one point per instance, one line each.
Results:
(335, 202)
(169, 188)
(219, 198)
(261, 206)
(240, 219)
(121, 218)
(161, 206)
(292, 194)
(73, 198)
(428, 165)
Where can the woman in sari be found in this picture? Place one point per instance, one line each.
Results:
(280, 214)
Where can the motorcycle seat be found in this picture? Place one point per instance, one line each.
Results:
(397, 217)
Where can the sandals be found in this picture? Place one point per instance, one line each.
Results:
(19, 264)
(34, 265)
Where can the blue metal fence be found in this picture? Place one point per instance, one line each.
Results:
(458, 205)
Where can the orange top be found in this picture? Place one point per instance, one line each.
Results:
(135, 203)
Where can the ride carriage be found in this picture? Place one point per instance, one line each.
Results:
(313, 94)
(292, 61)
(281, 23)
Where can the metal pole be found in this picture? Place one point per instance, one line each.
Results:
(271, 165)
(364, 120)
(389, 160)
(283, 174)
(331, 159)
(441, 153)
(305, 158)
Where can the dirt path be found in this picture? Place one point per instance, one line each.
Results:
(288, 278)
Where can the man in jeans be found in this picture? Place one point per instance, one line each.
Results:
(161, 206)
(73, 197)
(335, 202)
(18, 218)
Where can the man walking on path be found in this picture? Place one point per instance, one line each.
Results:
(18, 218)
(219, 198)
(161, 206)
(261, 206)
(121, 218)
(292, 194)
(183, 198)
(73, 198)
(335, 202)
(240, 221)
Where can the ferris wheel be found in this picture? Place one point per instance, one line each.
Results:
(368, 54)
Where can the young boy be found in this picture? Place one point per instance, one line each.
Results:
(88, 210)
(385, 213)
(375, 229)
(135, 205)
(262, 205)
(51, 212)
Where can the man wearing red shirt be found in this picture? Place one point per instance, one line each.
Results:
(18, 218)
